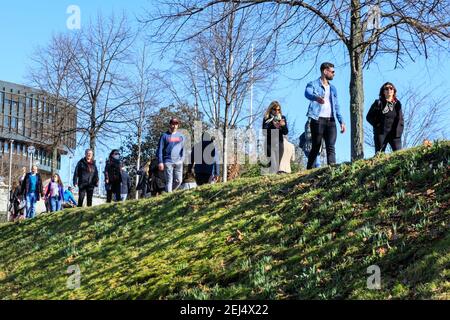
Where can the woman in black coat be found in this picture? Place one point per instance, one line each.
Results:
(274, 126)
(113, 176)
(386, 117)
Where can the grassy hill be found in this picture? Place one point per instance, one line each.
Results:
(303, 236)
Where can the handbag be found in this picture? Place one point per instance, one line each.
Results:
(22, 204)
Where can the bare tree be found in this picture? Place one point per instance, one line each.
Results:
(145, 93)
(51, 73)
(365, 29)
(219, 68)
(100, 53)
(425, 118)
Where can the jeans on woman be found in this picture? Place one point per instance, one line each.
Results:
(55, 204)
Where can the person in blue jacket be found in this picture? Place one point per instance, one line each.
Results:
(170, 155)
(32, 190)
(323, 109)
(69, 199)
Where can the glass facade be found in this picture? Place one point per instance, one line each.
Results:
(30, 118)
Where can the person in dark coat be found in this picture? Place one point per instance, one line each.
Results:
(157, 179)
(86, 178)
(274, 127)
(32, 190)
(16, 208)
(386, 117)
(205, 161)
(144, 180)
(113, 176)
(125, 186)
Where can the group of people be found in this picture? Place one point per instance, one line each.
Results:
(86, 178)
(385, 116)
(28, 190)
(166, 171)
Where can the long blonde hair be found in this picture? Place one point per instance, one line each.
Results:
(146, 167)
(272, 105)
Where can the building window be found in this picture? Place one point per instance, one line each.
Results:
(14, 124)
(20, 126)
(7, 105)
(14, 108)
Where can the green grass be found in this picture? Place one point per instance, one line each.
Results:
(309, 235)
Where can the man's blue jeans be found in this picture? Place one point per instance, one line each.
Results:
(174, 175)
(31, 205)
(55, 204)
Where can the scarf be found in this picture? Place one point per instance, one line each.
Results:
(91, 167)
(389, 107)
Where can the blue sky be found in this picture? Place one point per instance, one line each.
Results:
(27, 24)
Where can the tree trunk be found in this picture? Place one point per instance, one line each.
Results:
(356, 111)
(54, 168)
(356, 54)
(92, 133)
(225, 151)
(138, 163)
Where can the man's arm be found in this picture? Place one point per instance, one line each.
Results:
(309, 92)
(160, 153)
(40, 187)
(24, 185)
(160, 150)
(96, 178)
(182, 148)
(338, 108)
(75, 174)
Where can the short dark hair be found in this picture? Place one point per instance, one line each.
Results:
(326, 65)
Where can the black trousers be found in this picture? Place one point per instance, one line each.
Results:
(82, 194)
(382, 140)
(324, 128)
(114, 189)
(202, 178)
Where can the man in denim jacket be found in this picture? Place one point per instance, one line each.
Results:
(323, 109)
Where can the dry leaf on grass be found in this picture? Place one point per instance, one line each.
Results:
(238, 236)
